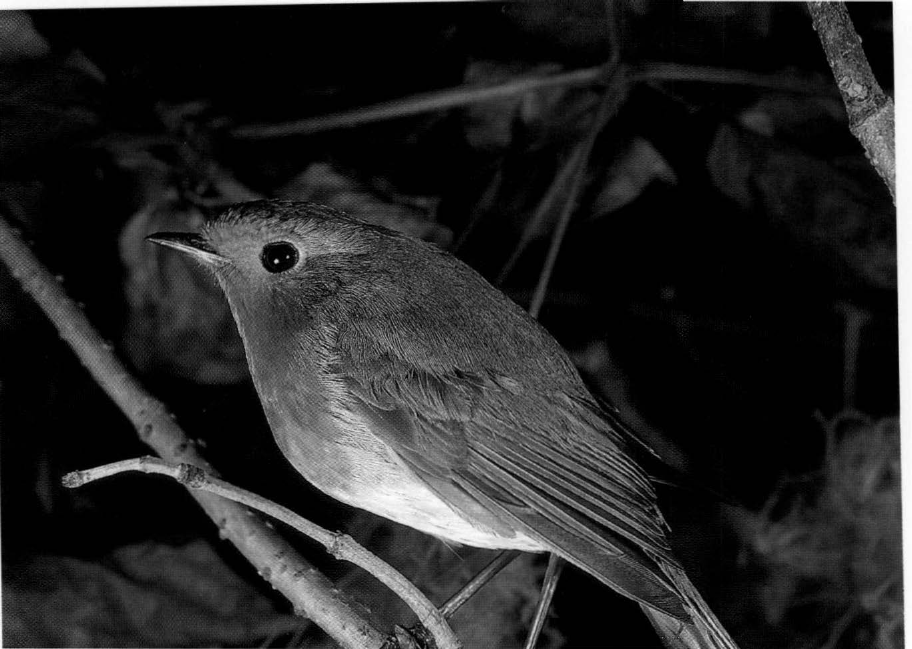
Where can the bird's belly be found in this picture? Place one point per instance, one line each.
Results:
(357, 468)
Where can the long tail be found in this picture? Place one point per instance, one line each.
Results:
(706, 632)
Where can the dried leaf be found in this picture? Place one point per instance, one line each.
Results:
(179, 320)
(795, 118)
(635, 167)
(817, 202)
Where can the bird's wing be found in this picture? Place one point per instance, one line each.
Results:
(546, 462)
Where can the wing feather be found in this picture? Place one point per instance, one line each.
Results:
(544, 461)
(588, 498)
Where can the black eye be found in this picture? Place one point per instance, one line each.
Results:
(279, 256)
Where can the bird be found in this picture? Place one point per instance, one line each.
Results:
(396, 379)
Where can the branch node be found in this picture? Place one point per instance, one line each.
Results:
(339, 541)
(73, 479)
(191, 476)
(223, 529)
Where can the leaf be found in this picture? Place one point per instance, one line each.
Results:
(19, 39)
(636, 167)
(817, 203)
(179, 321)
(798, 119)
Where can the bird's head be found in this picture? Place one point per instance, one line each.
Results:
(270, 242)
(286, 267)
(274, 250)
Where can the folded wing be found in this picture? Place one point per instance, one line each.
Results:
(506, 455)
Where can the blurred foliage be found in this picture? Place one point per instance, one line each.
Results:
(179, 322)
(831, 209)
(139, 596)
(825, 553)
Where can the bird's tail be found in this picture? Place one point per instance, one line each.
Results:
(706, 632)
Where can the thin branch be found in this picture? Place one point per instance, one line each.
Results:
(501, 561)
(614, 93)
(466, 95)
(479, 210)
(606, 108)
(341, 546)
(549, 585)
(570, 169)
(416, 104)
(854, 321)
(312, 594)
(870, 111)
(683, 73)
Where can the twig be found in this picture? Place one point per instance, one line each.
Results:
(568, 170)
(312, 594)
(681, 72)
(501, 561)
(615, 85)
(549, 585)
(341, 546)
(416, 104)
(479, 210)
(870, 111)
(606, 108)
(854, 321)
(466, 95)
(840, 627)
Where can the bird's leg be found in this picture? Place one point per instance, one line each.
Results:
(500, 562)
(552, 574)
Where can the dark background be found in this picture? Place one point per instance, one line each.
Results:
(712, 295)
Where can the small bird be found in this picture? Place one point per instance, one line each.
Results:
(397, 379)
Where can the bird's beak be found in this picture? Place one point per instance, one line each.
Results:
(189, 243)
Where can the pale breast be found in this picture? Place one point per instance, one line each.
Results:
(334, 449)
(339, 455)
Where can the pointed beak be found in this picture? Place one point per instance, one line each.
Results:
(188, 243)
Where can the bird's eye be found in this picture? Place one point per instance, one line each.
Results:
(279, 256)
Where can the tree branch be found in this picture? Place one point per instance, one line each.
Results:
(871, 112)
(612, 97)
(417, 104)
(341, 546)
(685, 73)
(465, 95)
